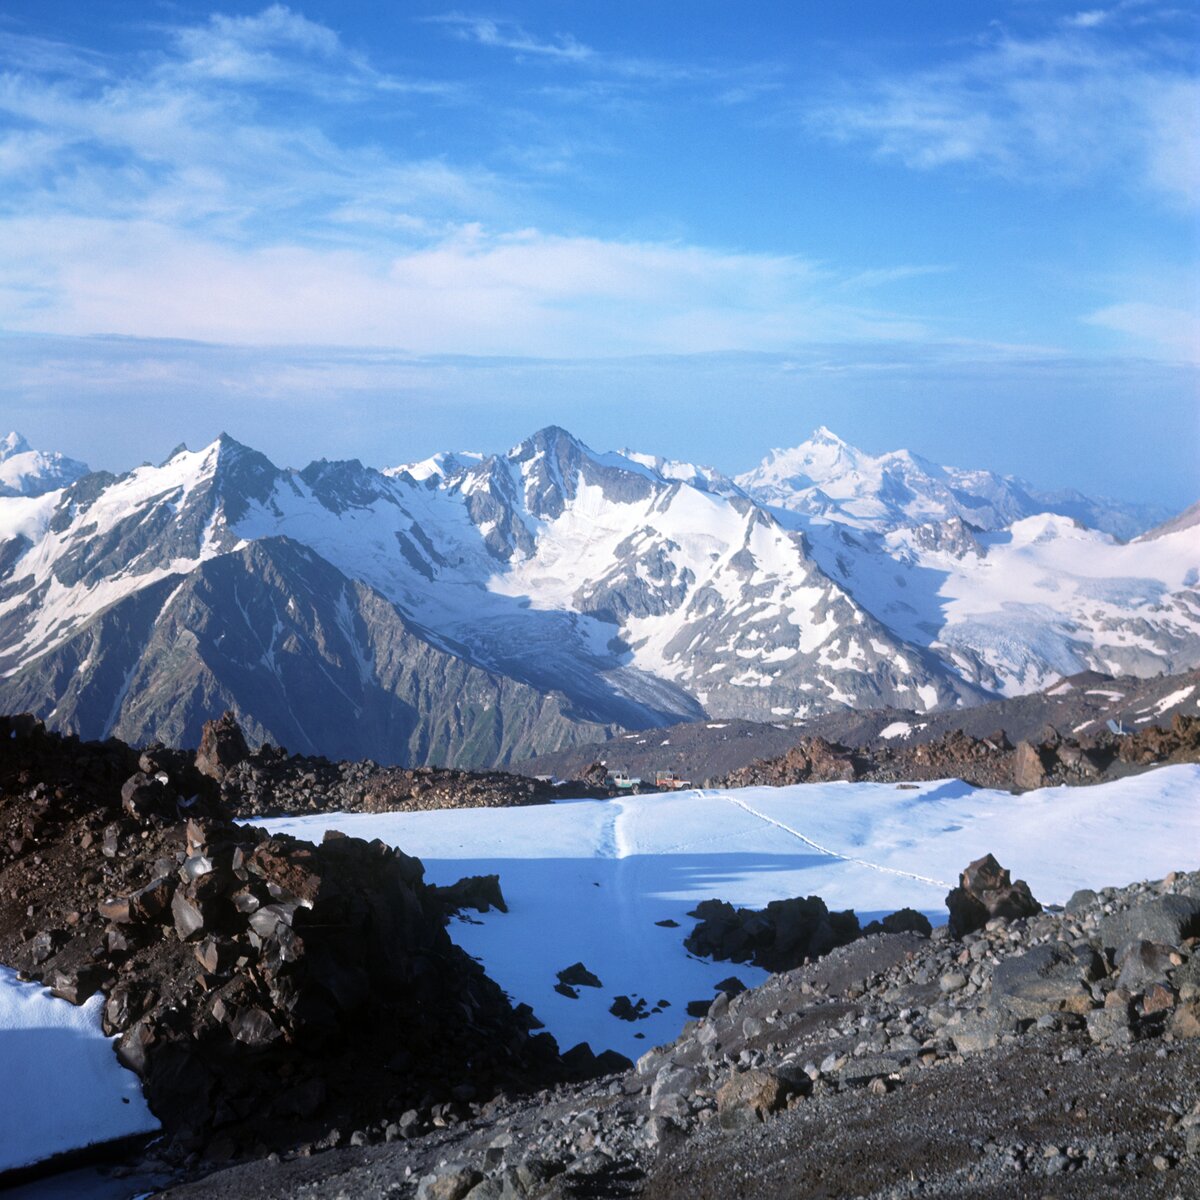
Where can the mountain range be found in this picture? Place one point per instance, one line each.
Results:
(474, 609)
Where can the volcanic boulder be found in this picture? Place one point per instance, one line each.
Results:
(984, 891)
(222, 747)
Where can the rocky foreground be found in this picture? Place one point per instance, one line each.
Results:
(265, 990)
(300, 1011)
(1056, 1054)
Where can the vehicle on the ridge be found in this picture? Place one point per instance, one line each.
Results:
(670, 781)
(622, 781)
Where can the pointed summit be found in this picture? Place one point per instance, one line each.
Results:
(13, 443)
(825, 436)
(553, 439)
(25, 471)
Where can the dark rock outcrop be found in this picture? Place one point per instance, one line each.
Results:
(264, 989)
(778, 938)
(984, 891)
(222, 747)
(983, 761)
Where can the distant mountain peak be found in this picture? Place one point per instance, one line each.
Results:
(827, 478)
(552, 437)
(13, 443)
(25, 471)
(825, 436)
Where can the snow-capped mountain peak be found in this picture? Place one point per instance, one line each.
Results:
(822, 457)
(13, 443)
(25, 471)
(829, 479)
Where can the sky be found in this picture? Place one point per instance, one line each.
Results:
(379, 230)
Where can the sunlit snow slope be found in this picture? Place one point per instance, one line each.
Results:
(588, 880)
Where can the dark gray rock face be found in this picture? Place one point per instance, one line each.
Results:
(1167, 919)
(1044, 979)
(345, 674)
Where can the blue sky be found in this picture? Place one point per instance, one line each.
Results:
(701, 229)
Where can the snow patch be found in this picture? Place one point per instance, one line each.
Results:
(63, 1087)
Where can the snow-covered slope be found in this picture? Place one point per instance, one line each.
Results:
(1016, 609)
(590, 880)
(28, 472)
(474, 609)
(63, 1088)
(826, 477)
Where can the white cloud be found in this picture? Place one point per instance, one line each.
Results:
(1065, 107)
(507, 35)
(167, 202)
(1087, 18)
(566, 49)
(171, 144)
(470, 292)
(244, 48)
(1163, 327)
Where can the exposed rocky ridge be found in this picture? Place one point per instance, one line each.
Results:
(269, 782)
(984, 762)
(704, 752)
(307, 656)
(265, 990)
(1057, 1054)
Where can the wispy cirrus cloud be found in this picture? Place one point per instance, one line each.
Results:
(285, 49)
(566, 49)
(508, 35)
(184, 135)
(1072, 105)
(1172, 331)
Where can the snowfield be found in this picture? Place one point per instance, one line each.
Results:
(63, 1087)
(589, 880)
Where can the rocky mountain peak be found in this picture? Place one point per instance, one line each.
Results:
(552, 439)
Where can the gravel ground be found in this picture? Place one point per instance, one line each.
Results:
(1042, 1057)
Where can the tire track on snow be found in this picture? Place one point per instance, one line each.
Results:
(860, 862)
